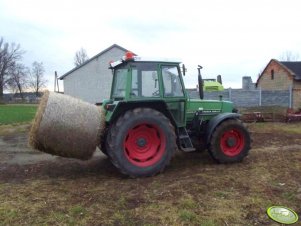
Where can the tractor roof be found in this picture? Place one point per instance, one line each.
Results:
(130, 57)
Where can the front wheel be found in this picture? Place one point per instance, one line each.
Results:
(230, 142)
(141, 142)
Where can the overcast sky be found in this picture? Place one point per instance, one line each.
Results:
(233, 38)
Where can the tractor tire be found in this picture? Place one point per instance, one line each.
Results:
(230, 142)
(141, 142)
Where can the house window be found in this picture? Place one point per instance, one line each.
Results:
(272, 74)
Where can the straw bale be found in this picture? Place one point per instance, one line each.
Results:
(66, 126)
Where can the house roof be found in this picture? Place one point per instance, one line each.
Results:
(91, 59)
(292, 67)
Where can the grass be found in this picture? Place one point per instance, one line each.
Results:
(14, 128)
(192, 191)
(187, 216)
(16, 113)
(285, 128)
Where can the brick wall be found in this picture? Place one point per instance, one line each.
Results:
(297, 99)
(282, 79)
(297, 94)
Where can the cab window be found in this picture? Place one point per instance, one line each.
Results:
(171, 81)
(145, 82)
(119, 87)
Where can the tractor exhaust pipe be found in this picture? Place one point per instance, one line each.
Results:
(200, 81)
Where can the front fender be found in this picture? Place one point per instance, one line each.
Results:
(215, 121)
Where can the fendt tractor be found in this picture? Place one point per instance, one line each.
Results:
(149, 116)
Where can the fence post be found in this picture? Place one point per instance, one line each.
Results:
(259, 96)
(230, 94)
(290, 96)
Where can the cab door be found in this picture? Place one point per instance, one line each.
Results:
(174, 92)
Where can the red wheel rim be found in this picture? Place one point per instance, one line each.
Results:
(144, 145)
(232, 142)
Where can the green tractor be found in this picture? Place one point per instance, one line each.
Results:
(149, 116)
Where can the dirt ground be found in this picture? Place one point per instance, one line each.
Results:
(19, 162)
(37, 188)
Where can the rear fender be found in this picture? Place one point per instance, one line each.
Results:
(215, 121)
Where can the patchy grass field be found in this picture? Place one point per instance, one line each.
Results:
(193, 190)
(16, 113)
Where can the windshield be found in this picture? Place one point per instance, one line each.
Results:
(119, 86)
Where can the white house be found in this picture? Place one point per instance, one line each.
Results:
(92, 80)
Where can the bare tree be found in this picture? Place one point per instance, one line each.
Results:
(10, 54)
(80, 57)
(37, 80)
(289, 56)
(18, 78)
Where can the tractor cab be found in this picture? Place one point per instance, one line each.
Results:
(135, 78)
(156, 83)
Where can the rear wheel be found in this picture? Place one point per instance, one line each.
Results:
(230, 142)
(141, 142)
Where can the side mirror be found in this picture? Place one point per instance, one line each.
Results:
(184, 69)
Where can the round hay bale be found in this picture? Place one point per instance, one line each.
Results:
(66, 126)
